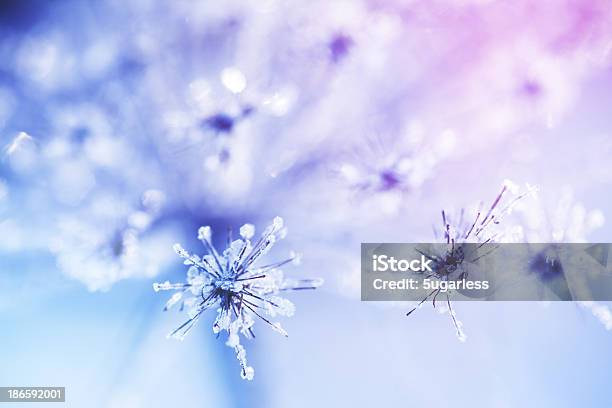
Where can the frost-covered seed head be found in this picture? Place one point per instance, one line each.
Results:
(241, 290)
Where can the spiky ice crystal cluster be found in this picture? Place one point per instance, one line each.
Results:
(458, 231)
(233, 282)
(482, 229)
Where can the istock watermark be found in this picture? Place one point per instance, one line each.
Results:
(383, 263)
(476, 271)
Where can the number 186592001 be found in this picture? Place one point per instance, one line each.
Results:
(32, 394)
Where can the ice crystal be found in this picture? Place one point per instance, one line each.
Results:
(235, 283)
(459, 231)
(19, 140)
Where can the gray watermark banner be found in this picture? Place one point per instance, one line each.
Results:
(490, 271)
(32, 394)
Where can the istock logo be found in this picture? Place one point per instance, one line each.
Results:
(384, 263)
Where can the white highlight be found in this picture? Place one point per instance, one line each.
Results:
(234, 80)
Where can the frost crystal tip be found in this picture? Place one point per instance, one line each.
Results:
(240, 289)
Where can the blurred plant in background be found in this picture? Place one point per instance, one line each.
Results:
(230, 109)
(484, 227)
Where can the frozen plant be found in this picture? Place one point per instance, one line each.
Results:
(600, 311)
(214, 114)
(568, 221)
(240, 288)
(383, 164)
(484, 228)
(111, 240)
(450, 263)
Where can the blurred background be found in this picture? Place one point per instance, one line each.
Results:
(126, 126)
